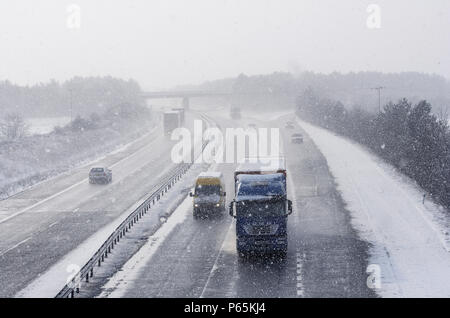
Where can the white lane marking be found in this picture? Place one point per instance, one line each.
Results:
(14, 246)
(69, 188)
(300, 291)
(214, 268)
(42, 201)
(53, 224)
(293, 191)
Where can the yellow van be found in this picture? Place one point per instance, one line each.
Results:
(209, 194)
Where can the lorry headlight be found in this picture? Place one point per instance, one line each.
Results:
(218, 204)
(196, 205)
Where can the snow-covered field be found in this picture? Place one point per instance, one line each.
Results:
(410, 239)
(38, 157)
(45, 125)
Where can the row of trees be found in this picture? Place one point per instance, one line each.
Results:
(92, 101)
(14, 127)
(275, 90)
(408, 136)
(79, 95)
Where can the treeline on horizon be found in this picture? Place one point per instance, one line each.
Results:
(353, 89)
(85, 95)
(407, 135)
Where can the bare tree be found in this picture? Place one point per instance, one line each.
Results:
(13, 126)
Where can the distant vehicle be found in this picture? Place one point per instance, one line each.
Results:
(209, 194)
(261, 207)
(289, 125)
(171, 121)
(235, 113)
(100, 175)
(252, 126)
(297, 138)
(182, 114)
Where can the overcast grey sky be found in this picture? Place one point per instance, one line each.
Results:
(162, 43)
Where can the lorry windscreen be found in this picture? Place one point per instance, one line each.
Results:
(261, 188)
(207, 190)
(252, 209)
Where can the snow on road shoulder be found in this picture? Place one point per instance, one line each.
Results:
(410, 240)
(119, 283)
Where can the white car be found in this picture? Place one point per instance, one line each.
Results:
(289, 125)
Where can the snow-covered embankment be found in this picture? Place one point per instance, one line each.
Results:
(410, 239)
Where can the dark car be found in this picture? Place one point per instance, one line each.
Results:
(100, 175)
(289, 125)
(297, 138)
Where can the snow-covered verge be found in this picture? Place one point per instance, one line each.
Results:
(45, 125)
(410, 239)
(30, 160)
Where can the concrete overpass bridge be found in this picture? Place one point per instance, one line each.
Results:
(185, 95)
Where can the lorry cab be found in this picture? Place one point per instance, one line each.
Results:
(261, 208)
(209, 194)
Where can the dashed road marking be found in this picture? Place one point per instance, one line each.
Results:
(53, 224)
(13, 247)
(300, 258)
(224, 246)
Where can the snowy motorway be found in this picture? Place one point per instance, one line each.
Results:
(352, 214)
(197, 258)
(41, 225)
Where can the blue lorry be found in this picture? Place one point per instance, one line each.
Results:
(261, 208)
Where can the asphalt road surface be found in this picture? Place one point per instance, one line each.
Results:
(325, 256)
(41, 225)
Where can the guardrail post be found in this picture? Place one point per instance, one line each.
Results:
(99, 263)
(87, 278)
(92, 272)
(72, 294)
